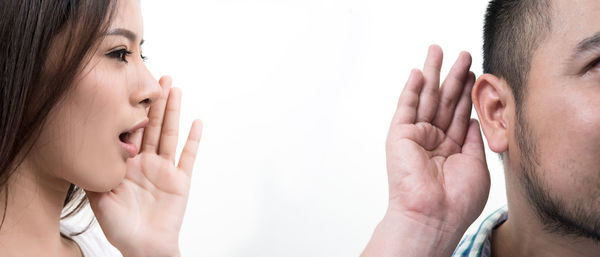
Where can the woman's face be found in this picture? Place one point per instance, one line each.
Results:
(88, 137)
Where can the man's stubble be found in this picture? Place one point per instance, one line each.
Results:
(573, 217)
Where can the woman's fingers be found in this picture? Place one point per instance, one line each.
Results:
(188, 154)
(152, 131)
(170, 126)
(428, 101)
(160, 136)
(460, 121)
(406, 112)
(450, 92)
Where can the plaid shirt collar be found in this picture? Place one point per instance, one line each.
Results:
(479, 243)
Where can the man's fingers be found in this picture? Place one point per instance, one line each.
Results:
(406, 112)
(170, 126)
(474, 142)
(428, 99)
(190, 149)
(451, 90)
(460, 120)
(152, 131)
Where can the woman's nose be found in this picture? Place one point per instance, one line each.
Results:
(147, 90)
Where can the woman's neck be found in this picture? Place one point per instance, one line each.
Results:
(32, 216)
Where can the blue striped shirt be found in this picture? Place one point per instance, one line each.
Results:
(479, 243)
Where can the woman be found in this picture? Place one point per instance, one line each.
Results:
(80, 110)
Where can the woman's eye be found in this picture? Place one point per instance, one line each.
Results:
(120, 55)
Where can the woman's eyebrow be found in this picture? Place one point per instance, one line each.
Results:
(130, 35)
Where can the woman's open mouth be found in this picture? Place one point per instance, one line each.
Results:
(128, 138)
(128, 145)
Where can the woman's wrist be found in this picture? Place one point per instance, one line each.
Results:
(151, 251)
(140, 254)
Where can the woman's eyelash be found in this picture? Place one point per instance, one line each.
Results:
(120, 54)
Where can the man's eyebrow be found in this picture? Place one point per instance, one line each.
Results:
(130, 35)
(586, 45)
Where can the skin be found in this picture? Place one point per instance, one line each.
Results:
(138, 201)
(562, 99)
(435, 157)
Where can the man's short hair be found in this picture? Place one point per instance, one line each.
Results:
(512, 32)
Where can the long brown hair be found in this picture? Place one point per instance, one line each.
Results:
(34, 33)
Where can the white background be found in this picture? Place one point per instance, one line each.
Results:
(296, 97)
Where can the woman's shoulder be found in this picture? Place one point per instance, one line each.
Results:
(92, 241)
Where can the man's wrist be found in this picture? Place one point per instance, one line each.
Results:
(409, 234)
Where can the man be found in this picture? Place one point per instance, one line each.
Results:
(539, 107)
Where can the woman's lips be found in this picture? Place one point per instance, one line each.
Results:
(131, 139)
(131, 149)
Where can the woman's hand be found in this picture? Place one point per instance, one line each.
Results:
(143, 215)
(437, 172)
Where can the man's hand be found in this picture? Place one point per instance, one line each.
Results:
(437, 172)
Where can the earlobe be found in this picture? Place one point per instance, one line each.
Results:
(490, 97)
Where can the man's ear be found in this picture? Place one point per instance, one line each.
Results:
(490, 97)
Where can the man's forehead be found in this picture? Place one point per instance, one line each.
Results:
(575, 27)
(570, 46)
(575, 19)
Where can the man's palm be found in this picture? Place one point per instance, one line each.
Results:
(435, 154)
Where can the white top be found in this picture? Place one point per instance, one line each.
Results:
(92, 242)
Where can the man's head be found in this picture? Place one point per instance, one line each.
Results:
(539, 104)
(512, 32)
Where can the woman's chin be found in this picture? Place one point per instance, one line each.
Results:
(103, 184)
(101, 188)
